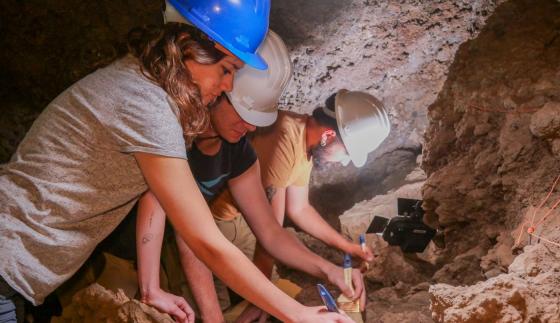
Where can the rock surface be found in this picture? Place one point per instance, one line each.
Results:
(490, 156)
(399, 51)
(485, 165)
(529, 292)
(491, 159)
(97, 304)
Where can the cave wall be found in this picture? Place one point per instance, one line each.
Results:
(399, 51)
(485, 162)
(49, 44)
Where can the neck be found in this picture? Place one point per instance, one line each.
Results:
(208, 142)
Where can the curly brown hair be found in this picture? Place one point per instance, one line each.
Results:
(162, 51)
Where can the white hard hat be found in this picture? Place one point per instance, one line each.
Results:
(255, 92)
(172, 15)
(362, 122)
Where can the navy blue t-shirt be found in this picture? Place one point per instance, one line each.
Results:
(212, 172)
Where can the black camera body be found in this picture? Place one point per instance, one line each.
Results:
(406, 230)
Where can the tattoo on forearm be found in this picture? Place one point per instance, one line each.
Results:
(270, 191)
(147, 238)
(151, 217)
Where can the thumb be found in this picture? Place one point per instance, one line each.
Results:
(366, 254)
(346, 290)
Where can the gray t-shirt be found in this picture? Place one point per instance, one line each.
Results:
(73, 177)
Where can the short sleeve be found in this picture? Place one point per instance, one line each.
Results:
(147, 123)
(304, 174)
(277, 166)
(244, 157)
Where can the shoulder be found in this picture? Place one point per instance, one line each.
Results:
(290, 127)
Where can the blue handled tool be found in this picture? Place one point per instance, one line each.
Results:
(364, 248)
(327, 298)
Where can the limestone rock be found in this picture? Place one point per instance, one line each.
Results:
(486, 156)
(97, 304)
(545, 123)
(525, 294)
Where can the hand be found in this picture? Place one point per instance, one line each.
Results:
(319, 314)
(251, 314)
(171, 304)
(336, 276)
(355, 250)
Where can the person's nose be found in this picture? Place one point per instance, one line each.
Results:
(250, 127)
(227, 83)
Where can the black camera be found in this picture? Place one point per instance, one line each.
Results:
(406, 230)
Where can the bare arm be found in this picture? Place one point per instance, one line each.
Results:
(309, 220)
(276, 197)
(201, 283)
(150, 227)
(172, 183)
(249, 195)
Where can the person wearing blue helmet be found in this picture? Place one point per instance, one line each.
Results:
(240, 26)
(98, 146)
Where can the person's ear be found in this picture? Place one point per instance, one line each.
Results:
(327, 137)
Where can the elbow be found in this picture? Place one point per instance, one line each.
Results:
(295, 212)
(210, 251)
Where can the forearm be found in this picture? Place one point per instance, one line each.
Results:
(286, 248)
(172, 182)
(201, 283)
(263, 260)
(150, 227)
(232, 267)
(310, 221)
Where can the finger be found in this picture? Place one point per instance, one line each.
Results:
(185, 307)
(347, 291)
(323, 309)
(178, 314)
(368, 254)
(358, 282)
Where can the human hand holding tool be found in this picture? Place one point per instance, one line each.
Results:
(327, 298)
(353, 307)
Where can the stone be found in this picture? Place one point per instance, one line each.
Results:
(98, 304)
(545, 123)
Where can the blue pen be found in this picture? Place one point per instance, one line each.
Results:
(327, 298)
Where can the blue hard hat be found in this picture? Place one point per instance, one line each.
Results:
(238, 25)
